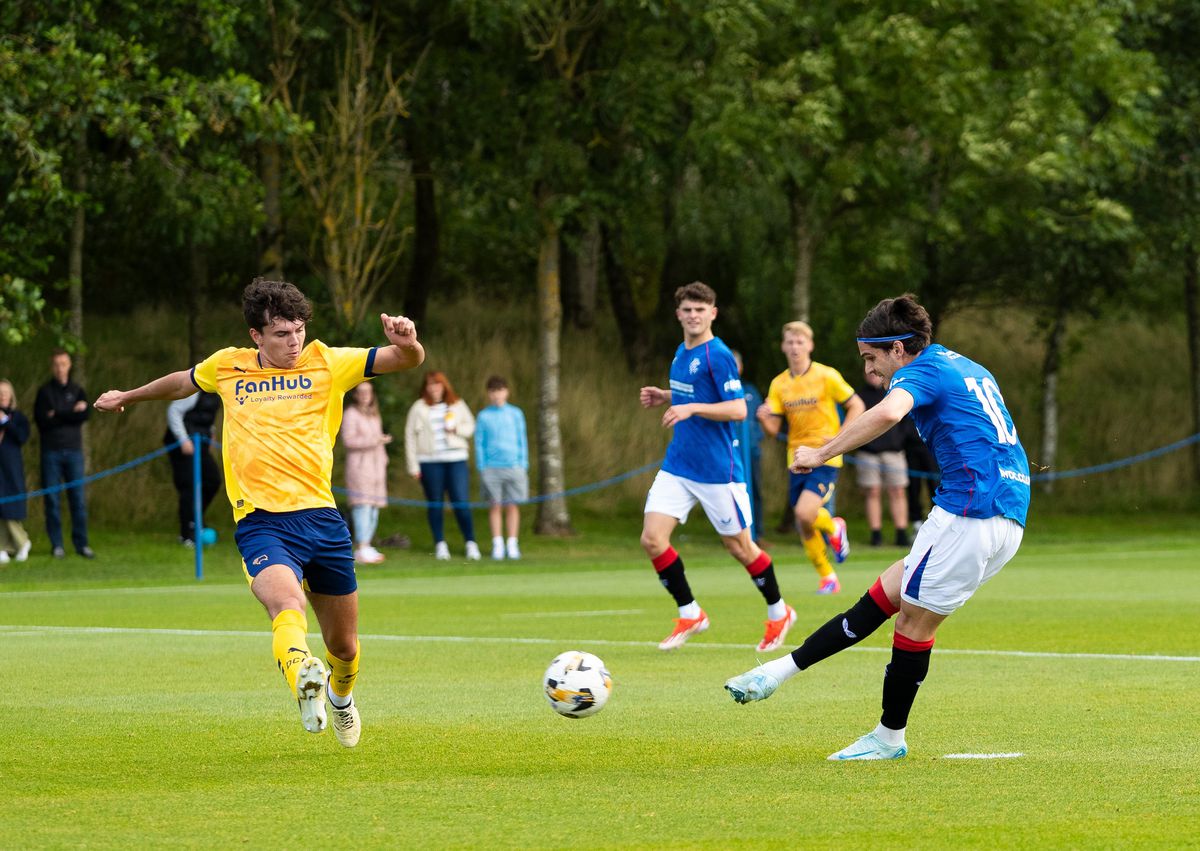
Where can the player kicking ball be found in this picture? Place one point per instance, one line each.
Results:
(282, 410)
(704, 465)
(973, 530)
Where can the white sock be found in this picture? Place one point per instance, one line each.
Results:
(338, 701)
(497, 541)
(512, 542)
(691, 610)
(891, 738)
(776, 610)
(782, 669)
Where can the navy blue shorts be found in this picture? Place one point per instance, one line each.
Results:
(313, 542)
(820, 481)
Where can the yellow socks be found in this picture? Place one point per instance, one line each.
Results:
(342, 674)
(289, 643)
(824, 521)
(815, 547)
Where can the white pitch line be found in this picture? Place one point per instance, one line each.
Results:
(983, 755)
(10, 630)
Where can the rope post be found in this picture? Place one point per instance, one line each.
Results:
(197, 508)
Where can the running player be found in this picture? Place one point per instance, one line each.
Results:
(807, 393)
(704, 465)
(282, 410)
(973, 530)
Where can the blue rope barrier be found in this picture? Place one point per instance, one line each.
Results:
(603, 483)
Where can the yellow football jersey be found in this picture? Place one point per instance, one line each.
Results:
(809, 402)
(279, 425)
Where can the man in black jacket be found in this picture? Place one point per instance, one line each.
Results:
(61, 409)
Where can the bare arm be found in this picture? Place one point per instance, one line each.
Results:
(405, 352)
(863, 429)
(177, 385)
(652, 397)
(770, 421)
(855, 407)
(731, 410)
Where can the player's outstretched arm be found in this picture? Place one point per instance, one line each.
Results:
(177, 385)
(863, 429)
(405, 351)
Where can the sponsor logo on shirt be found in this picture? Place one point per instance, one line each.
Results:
(1014, 476)
(681, 387)
(244, 391)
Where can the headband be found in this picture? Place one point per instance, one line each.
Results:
(885, 339)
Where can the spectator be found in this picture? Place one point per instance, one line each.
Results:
(14, 431)
(61, 409)
(924, 470)
(366, 468)
(502, 456)
(186, 417)
(751, 439)
(881, 464)
(435, 448)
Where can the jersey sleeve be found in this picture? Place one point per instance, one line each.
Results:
(919, 381)
(837, 387)
(204, 374)
(349, 367)
(725, 375)
(775, 398)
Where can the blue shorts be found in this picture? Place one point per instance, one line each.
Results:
(313, 542)
(820, 481)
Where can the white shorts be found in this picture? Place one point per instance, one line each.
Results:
(952, 556)
(727, 505)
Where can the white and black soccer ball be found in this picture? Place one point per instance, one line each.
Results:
(577, 684)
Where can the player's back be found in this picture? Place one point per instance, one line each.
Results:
(961, 415)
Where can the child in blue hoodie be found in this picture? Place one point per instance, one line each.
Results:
(502, 456)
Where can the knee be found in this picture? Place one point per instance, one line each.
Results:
(654, 544)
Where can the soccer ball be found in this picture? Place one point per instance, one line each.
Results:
(577, 684)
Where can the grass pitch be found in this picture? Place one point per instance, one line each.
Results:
(144, 708)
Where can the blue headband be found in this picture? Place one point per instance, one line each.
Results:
(885, 339)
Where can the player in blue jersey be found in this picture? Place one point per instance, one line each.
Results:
(973, 530)
(704, 465)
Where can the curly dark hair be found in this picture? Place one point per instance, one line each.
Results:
(695, 291)
(894, 317)
(265, 301)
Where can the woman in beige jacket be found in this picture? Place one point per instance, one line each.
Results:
(437, 436)
(366, 468)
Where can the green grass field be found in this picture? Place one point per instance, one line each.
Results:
(145, 711)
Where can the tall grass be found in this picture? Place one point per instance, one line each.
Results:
(1120, 395)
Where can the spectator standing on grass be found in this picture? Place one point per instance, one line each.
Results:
(14, 431)
(436, 449)
(283, 407)
(366, 468)
(502, 457)
(806, 395)
(61, 409)
(705, 406)
(881, 464)
(186, 418)
(973, 530)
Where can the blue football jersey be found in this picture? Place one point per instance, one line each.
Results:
(960, 414)
(704, 450)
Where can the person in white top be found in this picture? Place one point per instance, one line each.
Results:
(366, 468)
(437, 438)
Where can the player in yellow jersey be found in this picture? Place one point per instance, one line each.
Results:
(807, 393)
(282, 410)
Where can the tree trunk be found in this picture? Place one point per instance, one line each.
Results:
(634, 342)
(802, 231)
(424, 277)
(1050, 370)
(75, 257)
(552, 516)
(270, 262)
(588, 276)
(1191, 297)
(197, 286)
